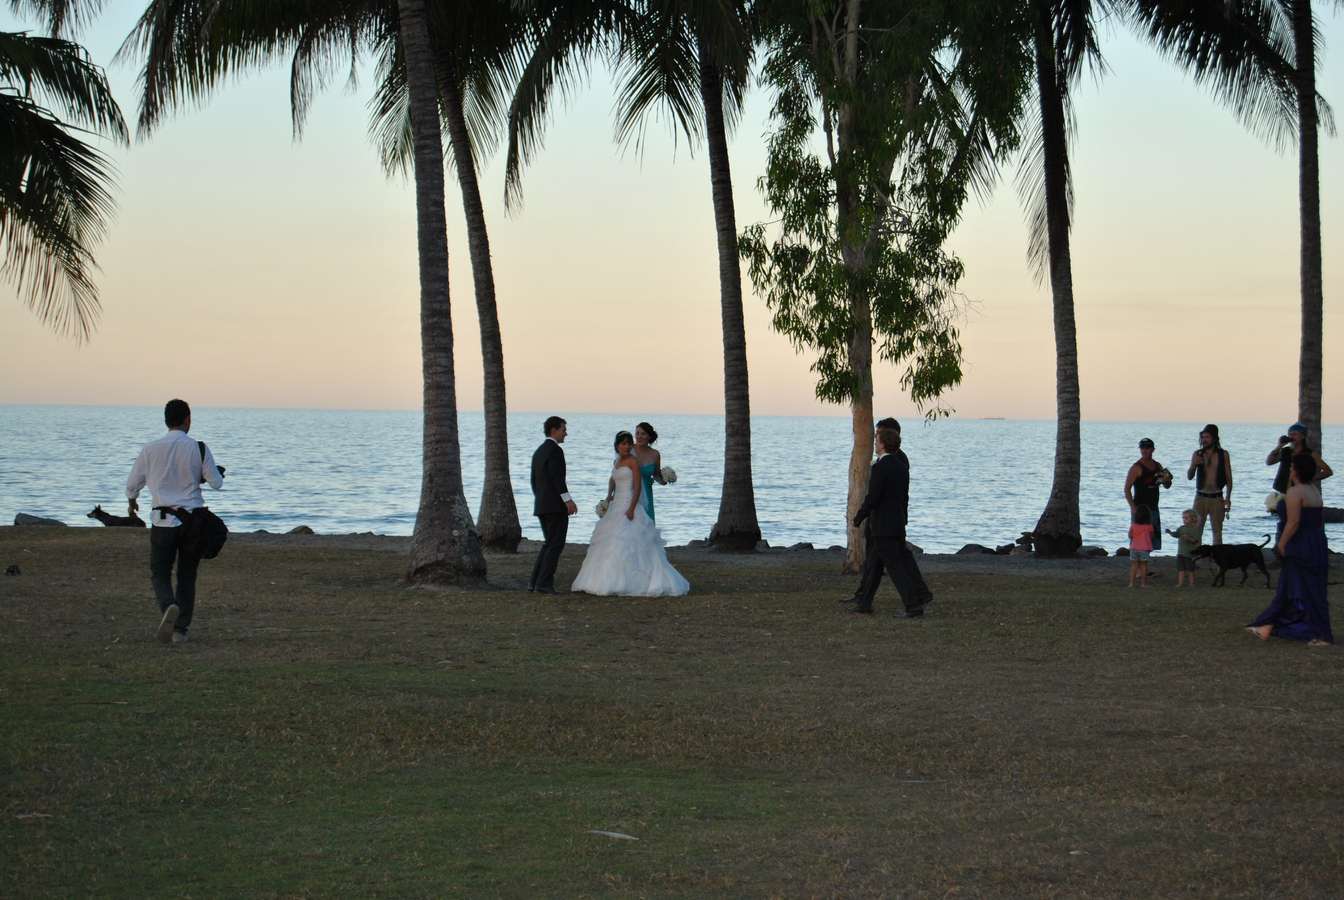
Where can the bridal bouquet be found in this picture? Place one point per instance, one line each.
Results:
(669, 474)
(602, 508)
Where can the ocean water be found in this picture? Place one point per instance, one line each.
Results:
(981, 481)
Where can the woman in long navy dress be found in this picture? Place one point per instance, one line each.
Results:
(1300, 610)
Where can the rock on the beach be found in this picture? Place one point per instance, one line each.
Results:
(696, 545)
(801, 545)
(762, 546)
(1004, 549)
(300, 529)
(835, 548)
(25, 519)
(971, 549)
(1092, 552)
(1122, 551)
(13, 570)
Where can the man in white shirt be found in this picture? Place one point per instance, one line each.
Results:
(173, 467)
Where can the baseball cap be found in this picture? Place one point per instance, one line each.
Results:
(1146, 442)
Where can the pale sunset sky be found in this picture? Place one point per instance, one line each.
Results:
(245, 268)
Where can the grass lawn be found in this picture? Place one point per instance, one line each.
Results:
(1044, 732)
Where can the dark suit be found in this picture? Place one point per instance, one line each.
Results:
(885, 510)
(548, 486)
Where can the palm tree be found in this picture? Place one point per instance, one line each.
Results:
(445, 546)
(476, 51)
(1063, 40)
(55, 189)
(680, 52)
(189, 48)
(690, 57)
(1259, 56)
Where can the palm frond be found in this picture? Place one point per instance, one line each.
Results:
(1241, 49)
(61, 17)
(658, 68)
(1030, 183)
(59, 75)
(189, 47)
(564, 43)
(54, 205)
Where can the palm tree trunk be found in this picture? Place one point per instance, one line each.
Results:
(1057, 532)
(1309, 193)
(445, 547)
(498, 520)
(736, 527)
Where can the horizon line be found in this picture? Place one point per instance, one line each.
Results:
(919, 418)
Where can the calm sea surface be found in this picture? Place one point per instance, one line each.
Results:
(982, 481)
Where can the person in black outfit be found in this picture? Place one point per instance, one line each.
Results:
(1141, 484)
(886, 509)
(552, 504)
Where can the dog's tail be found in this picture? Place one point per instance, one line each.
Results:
(1265, 541)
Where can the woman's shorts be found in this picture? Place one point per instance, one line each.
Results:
(1140, 555)
(1185, 564)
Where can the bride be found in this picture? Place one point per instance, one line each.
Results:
(626, 556)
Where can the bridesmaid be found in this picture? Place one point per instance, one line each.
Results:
(650, 464)
(1300, 610)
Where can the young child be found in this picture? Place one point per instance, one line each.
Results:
(1140, 545)
(1187, 537)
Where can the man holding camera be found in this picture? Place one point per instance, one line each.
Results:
(173, 467)
(1288, 446)
(1141, 485)
(1211, 469)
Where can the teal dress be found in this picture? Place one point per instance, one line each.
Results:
(646, 492)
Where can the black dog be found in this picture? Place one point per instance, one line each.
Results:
(112, 521)
(1234, 556)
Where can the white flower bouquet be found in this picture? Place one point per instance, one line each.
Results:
(669, 474)
(602, 508)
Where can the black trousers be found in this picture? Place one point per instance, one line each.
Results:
(554, 529)
(163, 552)
(890, 554)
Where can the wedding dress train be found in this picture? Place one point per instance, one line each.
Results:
(626, 556)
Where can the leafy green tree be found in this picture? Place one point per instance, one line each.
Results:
(55, 188)
(916, 105)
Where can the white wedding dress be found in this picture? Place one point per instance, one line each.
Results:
(625, 556)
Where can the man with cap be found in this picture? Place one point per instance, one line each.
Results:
(1141, 486)
(1288, 446)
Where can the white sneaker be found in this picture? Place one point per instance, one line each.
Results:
(167, 622)
(179, 637)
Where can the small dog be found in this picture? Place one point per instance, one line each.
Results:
(1234, 556)
(112, 521)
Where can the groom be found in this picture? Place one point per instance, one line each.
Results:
(886, 509)
(553, 505)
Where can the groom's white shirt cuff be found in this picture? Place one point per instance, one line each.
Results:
(565, 497)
